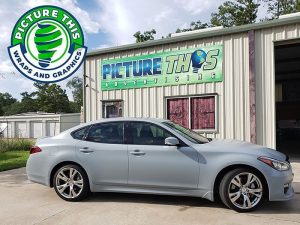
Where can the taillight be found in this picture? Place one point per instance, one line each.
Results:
(35, 149)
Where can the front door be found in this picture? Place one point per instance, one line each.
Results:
(154, 164)
(104, 154)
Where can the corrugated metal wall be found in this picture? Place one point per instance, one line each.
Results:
(265, 79)
(233, 116)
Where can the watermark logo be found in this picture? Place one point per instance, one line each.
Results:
(47, 44)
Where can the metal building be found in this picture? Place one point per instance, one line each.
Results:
(36, 124)
(244, 87)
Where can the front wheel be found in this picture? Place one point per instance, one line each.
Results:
(71, 183)
(242, 190)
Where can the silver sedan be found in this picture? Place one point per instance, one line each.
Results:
(159, 157)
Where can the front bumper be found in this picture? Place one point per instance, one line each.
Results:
(280, 185)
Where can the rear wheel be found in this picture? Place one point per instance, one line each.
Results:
(242, 190)
(71, 183)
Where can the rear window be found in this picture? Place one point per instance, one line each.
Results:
(109, 133)
(80, 134)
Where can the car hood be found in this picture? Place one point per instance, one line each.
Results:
(234, 146)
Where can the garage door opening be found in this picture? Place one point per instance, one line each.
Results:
(287, 95)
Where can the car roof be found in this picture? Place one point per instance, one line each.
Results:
(116, 119)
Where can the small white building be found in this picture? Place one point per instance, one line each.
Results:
(36, 124)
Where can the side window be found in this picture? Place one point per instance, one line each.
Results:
(147, 134)
(79, 134)
(110, 133)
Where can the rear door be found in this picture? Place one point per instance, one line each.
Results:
(104, 153)
(154, 164)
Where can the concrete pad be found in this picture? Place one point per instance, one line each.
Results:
(23, 202)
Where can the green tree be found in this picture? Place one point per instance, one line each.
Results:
(194, 26)
(52, 98)
(74, 107)
(146, 36)
(6, 99)
(76, 85)
(14, 109)
(237, 12)
(29, 101)
(48, 98)
(282, 7)
(28, 104)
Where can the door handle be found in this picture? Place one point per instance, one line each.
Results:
(86, 150)
(137, 152)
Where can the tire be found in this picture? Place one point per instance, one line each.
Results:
(242, 190)
(71, 183)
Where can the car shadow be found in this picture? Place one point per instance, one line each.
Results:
(287, 207)
(186, 203)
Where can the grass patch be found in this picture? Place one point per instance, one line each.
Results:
(13, 159)
(15, 144)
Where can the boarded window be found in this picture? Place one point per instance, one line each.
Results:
(203, 113)
(178, 111)
(197, 113)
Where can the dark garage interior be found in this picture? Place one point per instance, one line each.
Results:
(287, 95)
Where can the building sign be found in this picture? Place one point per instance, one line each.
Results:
(188, 66)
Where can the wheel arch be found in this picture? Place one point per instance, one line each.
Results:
(225, 170)
(61, 164)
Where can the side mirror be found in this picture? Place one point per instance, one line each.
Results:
(172, 141)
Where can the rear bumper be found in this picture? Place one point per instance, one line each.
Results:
(280, 185)
(37, 179)
(36, 170)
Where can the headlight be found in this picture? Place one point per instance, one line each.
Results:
(276, 164)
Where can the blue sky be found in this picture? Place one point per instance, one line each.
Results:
(105, 23)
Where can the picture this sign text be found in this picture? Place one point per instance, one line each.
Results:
(188, 66)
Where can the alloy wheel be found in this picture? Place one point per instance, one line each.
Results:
(69, 182)
(245, 190)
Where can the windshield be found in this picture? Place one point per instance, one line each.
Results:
(187, 133)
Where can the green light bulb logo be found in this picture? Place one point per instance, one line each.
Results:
(47, 39)
(49, 47)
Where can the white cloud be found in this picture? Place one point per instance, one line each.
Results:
(163, 15)
(14, 83)
(87, 23)
(121, 19)
(101, 46)
(198, 7)
(6, 66)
